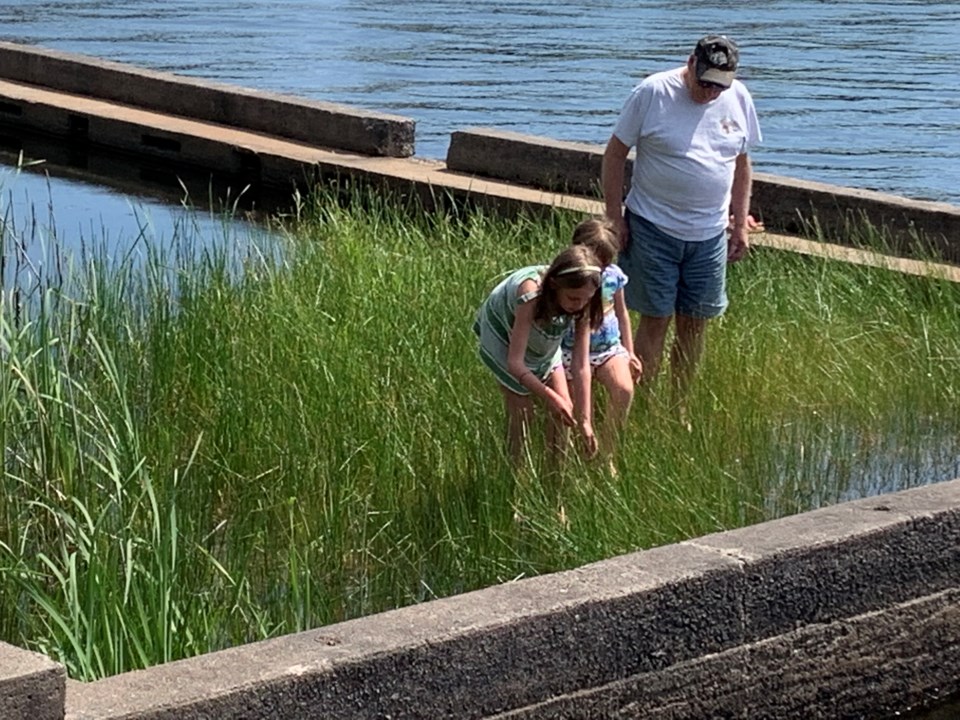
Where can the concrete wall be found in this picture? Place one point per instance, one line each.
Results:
(316, 123)
(846, 611)
(32, 687)
(784, 204)
(528, 160)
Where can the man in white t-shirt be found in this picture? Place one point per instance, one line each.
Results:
(692, 128)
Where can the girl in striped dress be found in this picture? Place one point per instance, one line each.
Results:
(520, 326)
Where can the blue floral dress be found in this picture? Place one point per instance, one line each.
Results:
(605, 341)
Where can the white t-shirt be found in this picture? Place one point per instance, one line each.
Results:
(686, 153)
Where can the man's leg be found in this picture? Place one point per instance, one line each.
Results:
(686, 352)
(702, 295)
(652, 263)
(648, 344)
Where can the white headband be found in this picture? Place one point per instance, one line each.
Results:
(585, 268)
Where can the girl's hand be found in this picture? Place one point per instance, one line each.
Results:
(588, 439)
(636, 367)
(562, 407)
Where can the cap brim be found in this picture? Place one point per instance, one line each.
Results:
(720, 77)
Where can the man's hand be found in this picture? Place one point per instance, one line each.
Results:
(623, 230)
(738, 243)
(753, 226)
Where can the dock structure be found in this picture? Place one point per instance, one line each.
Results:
(275, 142)
(843, 611)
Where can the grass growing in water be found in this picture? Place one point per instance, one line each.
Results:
(201, 451)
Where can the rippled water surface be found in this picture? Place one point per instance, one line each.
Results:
(855, 93)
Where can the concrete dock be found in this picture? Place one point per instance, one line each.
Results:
(169, 141)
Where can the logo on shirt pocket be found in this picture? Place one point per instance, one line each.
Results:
(729, 126)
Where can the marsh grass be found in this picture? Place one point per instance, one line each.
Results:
(204, 448)
(856, 229)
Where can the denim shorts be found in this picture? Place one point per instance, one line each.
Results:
(670, 276)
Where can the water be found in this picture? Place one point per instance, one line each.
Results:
(47, 218)
(854, 93)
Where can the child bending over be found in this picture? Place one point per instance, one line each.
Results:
(520, 326)
(612, 360)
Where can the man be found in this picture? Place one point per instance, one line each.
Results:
(692, 127)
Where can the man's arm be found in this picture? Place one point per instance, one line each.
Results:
(739, 241)
(611, 177)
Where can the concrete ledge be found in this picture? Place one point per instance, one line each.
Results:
(819, 672)
(316, 123)
(541, 162)
(912, 227)
(834, 598)
(32, 687)
(467, 656)
(846, 559)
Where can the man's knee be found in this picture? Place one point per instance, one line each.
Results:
(653, 327)
(690, 326)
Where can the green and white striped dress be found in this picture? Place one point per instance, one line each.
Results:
(495, 321)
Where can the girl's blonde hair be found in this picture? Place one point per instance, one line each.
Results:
(600, 235)
(575, 267)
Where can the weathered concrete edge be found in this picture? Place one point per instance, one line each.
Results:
(318, 123)
(863, 666)
(784, 204)
(32, 686)
(259, 167)
(176, 141)
(521, 644)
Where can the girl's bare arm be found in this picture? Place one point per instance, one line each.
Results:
(519, 335)
(582, 395)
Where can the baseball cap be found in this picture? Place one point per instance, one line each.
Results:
(717, 57)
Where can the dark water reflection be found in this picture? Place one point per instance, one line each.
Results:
(57, 214)
(849, 462)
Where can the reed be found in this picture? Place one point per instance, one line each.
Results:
(228, 440)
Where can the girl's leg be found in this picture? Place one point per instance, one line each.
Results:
(519, 415)
(615, 376)
(557, 443)
(556, 431)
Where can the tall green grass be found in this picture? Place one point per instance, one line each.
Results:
(204, 447)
